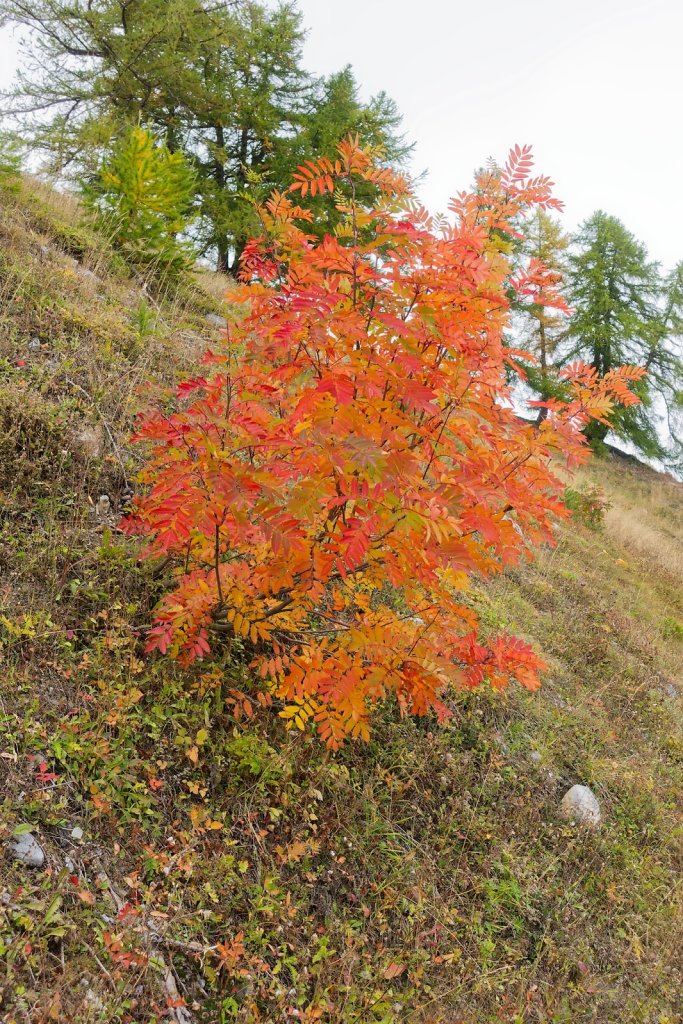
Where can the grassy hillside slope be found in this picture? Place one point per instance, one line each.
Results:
(202, 865)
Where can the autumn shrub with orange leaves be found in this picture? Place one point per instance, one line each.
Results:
(352, 457)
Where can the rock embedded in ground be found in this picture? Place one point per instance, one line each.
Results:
(580, 804)
(88, 275)
(103, 506)
(215, 320)
(27, 850)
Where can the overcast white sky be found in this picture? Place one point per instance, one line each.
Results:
(596, 86)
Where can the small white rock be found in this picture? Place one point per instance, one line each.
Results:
(580, 804)
(94, 1001)
(103, 506)
(77, 833)
(26, 849)
(87, 274)
(216, 321)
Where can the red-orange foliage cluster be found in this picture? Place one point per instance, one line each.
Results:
(353, 456)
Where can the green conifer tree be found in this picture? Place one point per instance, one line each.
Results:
(143, 195)
(620, 316)
(10, 164)
(542, 328)
(223, 81)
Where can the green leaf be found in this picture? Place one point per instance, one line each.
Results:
(22, 830)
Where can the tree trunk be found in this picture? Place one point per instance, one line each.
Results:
(596, 433)
(545, 390)
(222, 240)
(223, 265)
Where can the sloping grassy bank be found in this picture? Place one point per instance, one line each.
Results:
(202, 864)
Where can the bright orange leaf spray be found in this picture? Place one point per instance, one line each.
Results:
(352, 457)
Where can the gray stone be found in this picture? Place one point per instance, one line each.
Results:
(77, 833)
(103, 506)
(88, 275)
(216, 321)
(556, 700)
(93, 1001)
(580, 804)
(26, 849)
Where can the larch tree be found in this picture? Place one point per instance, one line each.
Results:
(624, 312)
(223, 82)
(143, 198)
(541, 327)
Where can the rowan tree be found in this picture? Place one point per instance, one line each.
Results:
(351, 457)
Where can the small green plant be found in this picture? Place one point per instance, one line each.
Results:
(672, 628)
(10, 165)
(143, 195)
(588, 505)
(144, 321)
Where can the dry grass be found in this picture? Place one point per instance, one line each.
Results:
(637, 533)
(645, 512)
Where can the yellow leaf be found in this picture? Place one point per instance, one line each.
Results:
(197, 815)
(202, 736)
(295, 851)
(290, 711)
(55, 1010)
